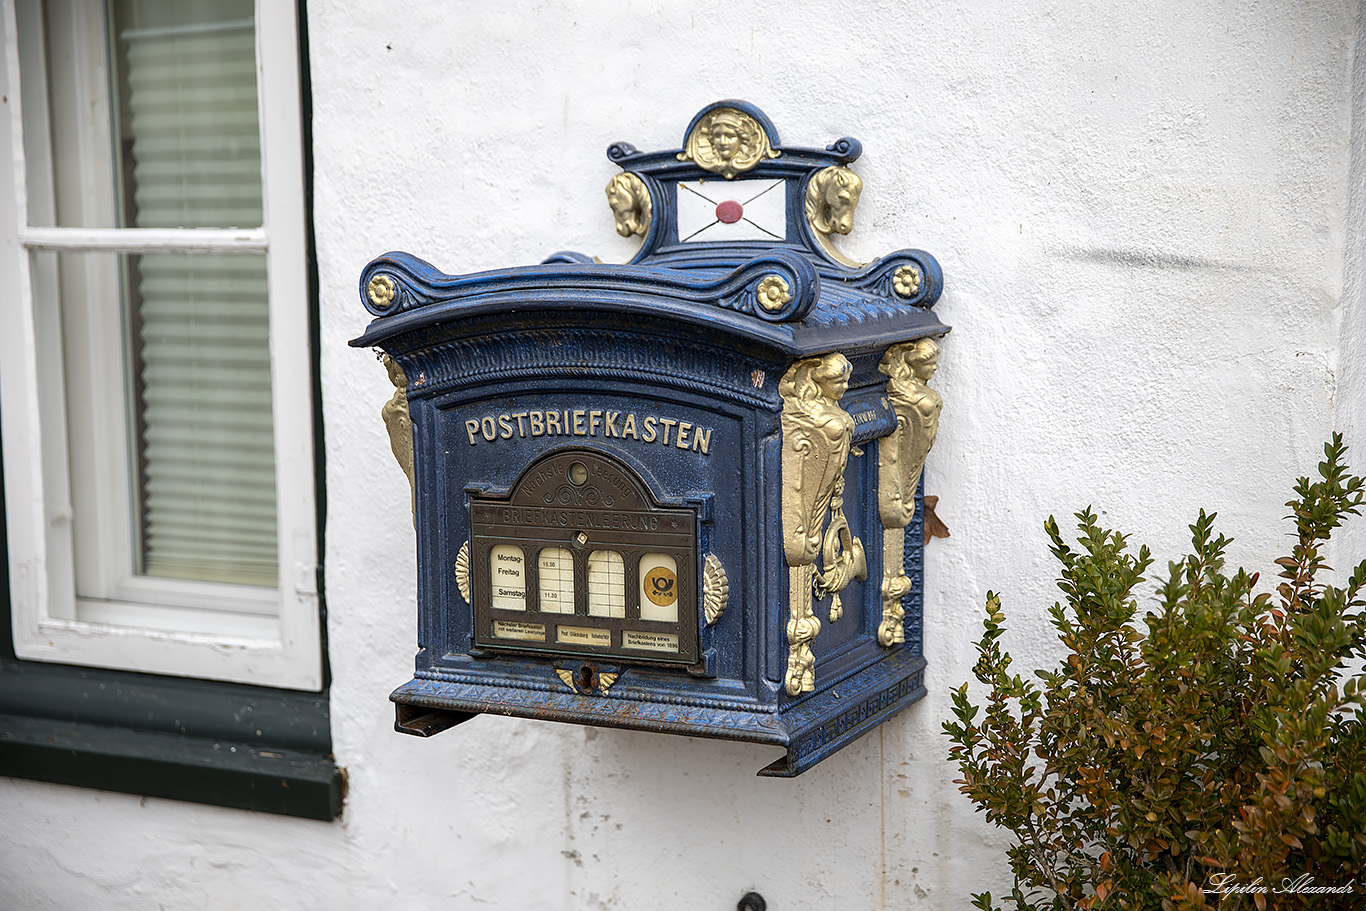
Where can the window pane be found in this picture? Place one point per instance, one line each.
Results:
(187, 129)
(205, 442)
(166, 360)
(152, 115)
(606, 584)
(557, 580)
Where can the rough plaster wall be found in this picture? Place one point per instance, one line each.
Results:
(1140, 214)
(1350, 404)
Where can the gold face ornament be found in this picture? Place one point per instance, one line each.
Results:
(727, 141)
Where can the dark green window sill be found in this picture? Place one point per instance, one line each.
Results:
(230, 745)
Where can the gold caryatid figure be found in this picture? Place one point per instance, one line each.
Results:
(816, 435)
(630, 202)
(816, 442)
(901, 459)
(727, 141)
(400, 425)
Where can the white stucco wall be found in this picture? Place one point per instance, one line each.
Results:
(1142, 215)
(1350, 402)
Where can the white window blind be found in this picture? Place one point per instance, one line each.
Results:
(190, 120)
(199, 323)
(207, 459)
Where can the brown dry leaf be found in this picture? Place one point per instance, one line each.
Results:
(934, 526)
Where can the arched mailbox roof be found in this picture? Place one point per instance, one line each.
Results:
(819, 311)
(781, 285)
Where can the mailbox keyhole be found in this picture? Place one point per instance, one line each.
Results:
(587, 678)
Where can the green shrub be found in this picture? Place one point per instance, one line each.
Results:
(1219, 741)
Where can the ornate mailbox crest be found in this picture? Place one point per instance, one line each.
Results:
(681, 494)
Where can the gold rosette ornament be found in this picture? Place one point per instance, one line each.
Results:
(773, 293)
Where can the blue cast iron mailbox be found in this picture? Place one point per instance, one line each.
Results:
(681, 494)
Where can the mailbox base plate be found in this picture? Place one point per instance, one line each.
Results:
(829, 720)
(809, 729)
(756, 725)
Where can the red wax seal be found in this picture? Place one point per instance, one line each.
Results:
(729, 212)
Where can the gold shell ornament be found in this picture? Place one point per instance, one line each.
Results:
(715, 589)
(462, 572)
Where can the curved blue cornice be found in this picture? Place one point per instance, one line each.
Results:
(724, 302)
(418, 283)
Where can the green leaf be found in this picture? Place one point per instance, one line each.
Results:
(1210, 737)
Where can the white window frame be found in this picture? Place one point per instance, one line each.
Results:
(234, 633)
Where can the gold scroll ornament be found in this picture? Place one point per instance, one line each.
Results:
(727, 142)
(400, 426)
(831, 196)
(900, 461)
(600, 683)
(816, 442)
